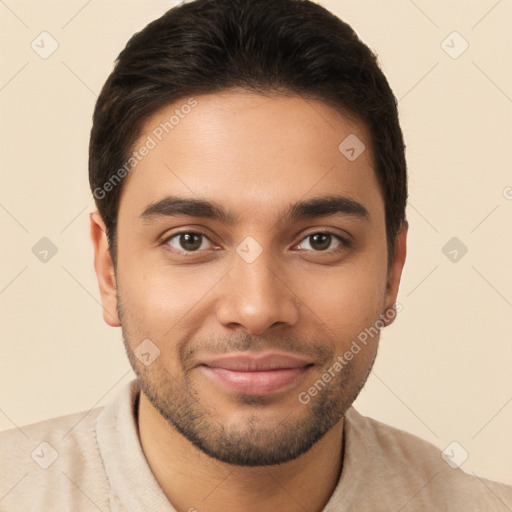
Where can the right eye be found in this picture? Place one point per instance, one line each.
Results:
(187, 241)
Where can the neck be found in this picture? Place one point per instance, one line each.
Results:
(193, 481)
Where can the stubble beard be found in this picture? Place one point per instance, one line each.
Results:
(253, 442)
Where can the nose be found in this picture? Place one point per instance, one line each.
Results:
(257, 296)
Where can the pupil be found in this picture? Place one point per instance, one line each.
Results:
(190, 241)
(322, 241)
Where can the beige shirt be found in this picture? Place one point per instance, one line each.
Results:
(93, 461)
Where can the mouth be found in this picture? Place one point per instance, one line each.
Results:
(259, 375)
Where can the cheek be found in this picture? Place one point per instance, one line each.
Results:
(162, 301)
(349, 303)
(348, 296)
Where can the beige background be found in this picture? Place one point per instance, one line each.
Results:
(443, 371)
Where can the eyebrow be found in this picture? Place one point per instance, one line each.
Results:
(171, 206)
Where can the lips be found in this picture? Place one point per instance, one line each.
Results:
(255, 363)
(252, 374)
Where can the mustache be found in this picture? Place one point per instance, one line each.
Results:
(320, 350)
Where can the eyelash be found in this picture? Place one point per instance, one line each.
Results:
(344, 242)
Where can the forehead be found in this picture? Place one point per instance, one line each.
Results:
(251, 153)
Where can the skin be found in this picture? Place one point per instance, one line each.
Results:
(254, 155)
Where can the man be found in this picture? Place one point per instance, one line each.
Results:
(248, 169)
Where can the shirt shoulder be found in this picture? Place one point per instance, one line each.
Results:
(56, 461)
(386, 468)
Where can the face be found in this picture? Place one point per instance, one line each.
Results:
(251, 255)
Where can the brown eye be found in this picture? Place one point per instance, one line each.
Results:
(322, 242)
(190, 241)
(187, 241)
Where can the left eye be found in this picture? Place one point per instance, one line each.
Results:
(188, 241)
(322, 242)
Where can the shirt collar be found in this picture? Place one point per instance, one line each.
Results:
(131, 480)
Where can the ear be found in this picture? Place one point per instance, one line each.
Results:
(395, 272)
(104, 270)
